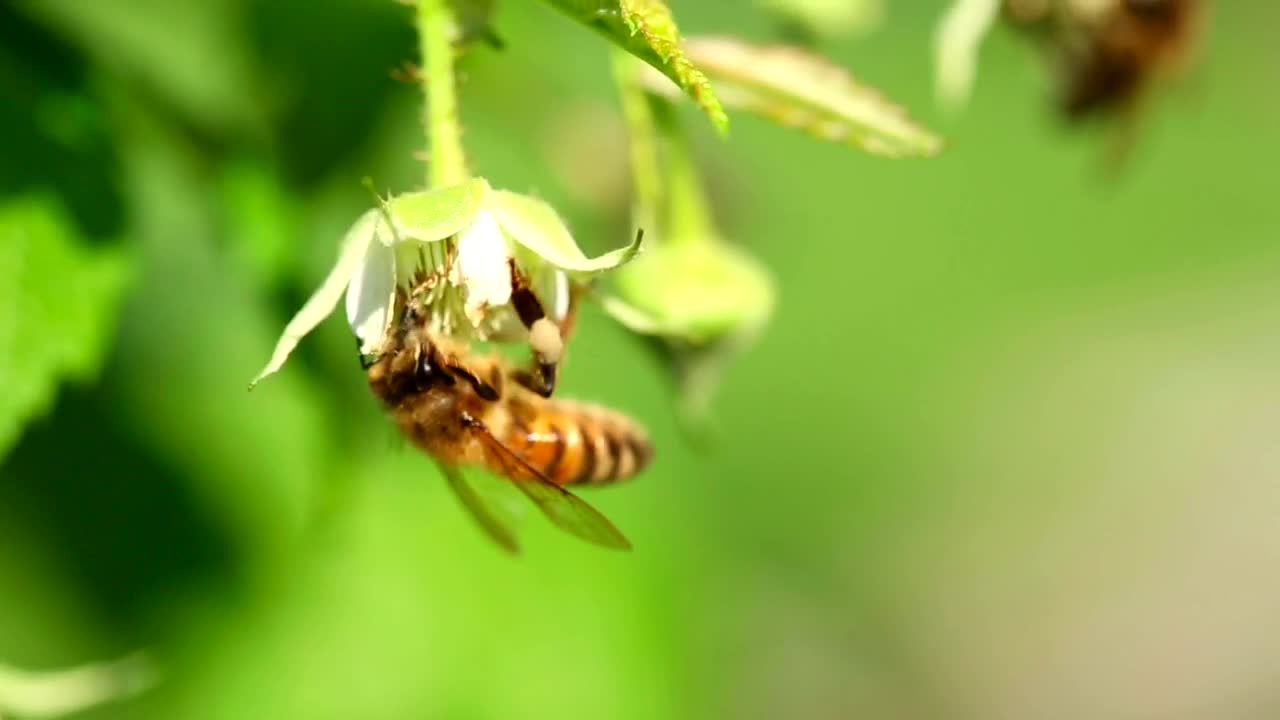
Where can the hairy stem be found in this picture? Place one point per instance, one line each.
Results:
(642, 140)
(447, 164)
(689, 217)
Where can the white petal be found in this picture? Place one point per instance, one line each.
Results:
(371, 294)
(483, 257)
(325, 298)
(560, 296)
(956, 44)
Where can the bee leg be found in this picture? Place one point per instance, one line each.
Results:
(428, 369)
(495, 377)
(546, 339)
(484, 388)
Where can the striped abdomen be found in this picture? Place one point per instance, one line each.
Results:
(577, 443)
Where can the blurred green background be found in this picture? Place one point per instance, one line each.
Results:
(1008, 449)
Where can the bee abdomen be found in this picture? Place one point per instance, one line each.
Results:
(582, 444)
(617, 450)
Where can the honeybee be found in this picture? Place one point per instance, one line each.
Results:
(1123, 51)
(1109, 53)
(465, 409)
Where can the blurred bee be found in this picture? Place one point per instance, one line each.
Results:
(1109, 53)
(460, 408)
(1123, 51)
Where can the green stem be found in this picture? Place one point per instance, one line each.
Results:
(447, 165)
(689, 217)
(642, 140)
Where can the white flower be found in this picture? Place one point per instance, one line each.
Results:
(454, 247)
(369, 293)
(483, 266)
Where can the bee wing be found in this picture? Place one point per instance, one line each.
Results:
(569, 512)
(479, 509)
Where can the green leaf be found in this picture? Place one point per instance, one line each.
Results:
(58, 302)
(796, 88)
(646, 29)
(535, 225)
(434, 215)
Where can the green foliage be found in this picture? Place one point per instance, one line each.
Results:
(58, 301)
(796, 88)
(647, 29)
(956, 363)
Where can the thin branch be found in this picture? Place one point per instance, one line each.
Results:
(436, 27)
